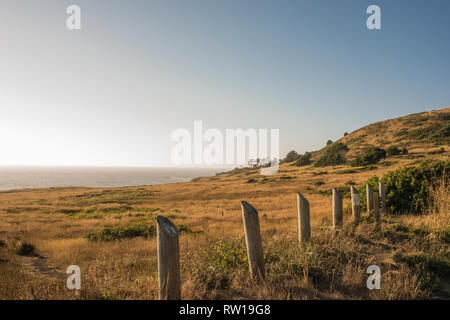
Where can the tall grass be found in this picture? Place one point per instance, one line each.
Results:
(439, 203)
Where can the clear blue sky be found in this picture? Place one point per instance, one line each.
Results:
(112, 93)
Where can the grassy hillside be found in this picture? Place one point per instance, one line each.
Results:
(419, 132)
(109, 233)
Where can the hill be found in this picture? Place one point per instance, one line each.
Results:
(419, 132)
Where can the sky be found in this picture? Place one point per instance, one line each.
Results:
(112, 93)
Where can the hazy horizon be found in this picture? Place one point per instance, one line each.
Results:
(14, 178)
(111, 94)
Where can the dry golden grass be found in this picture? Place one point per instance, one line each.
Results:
(57, 220)
(56, 223)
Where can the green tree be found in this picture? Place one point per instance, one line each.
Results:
(334, 155)
(291, 156)
(370, 156)
(392, 151)
(303, 160)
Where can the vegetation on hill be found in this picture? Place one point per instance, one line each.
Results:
(408, 189)
(371, 156)
(110, 233)
(432, 128)
(334, 155)
(291, 156)
(434, 133)
(396, 136)
(393, 151)
(303, 160)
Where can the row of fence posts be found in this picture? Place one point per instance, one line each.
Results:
(168, 236)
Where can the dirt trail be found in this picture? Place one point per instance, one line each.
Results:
(39, 264)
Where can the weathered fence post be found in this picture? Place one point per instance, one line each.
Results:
(253, 241)
(337, 209)
(382, 192)
(168, 260)
(304, 227)
(356, 208)
(376, 209)
(369, 194)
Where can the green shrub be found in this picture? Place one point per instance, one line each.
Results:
(291, 156)
(334, 155)
(407, 189)
(404, 150)
(347, 171)
(126, 232)
(373, 181)
(393, 151)
(303, 160)
(371, 156)
(329, 142)
(185, 229)
(436, 132)
(229, 254)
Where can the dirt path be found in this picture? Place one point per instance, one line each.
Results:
(39, 265)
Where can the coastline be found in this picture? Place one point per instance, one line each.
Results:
(46, 178)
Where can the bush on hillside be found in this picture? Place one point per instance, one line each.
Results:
(119, 233)
(438, 133)
(393, 151)
(408, 188)
(303, 160)
(334, 155)
(291, 156)
(370, 156)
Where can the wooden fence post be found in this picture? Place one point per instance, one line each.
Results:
(356, 208)
(168, 260)
(337, 209)
(369, 194)
(382, 192)
(304, 226)
(376, 209)
(253, 241)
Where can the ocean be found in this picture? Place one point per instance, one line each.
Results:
(45, 177)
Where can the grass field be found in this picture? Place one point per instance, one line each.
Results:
(43, 231)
